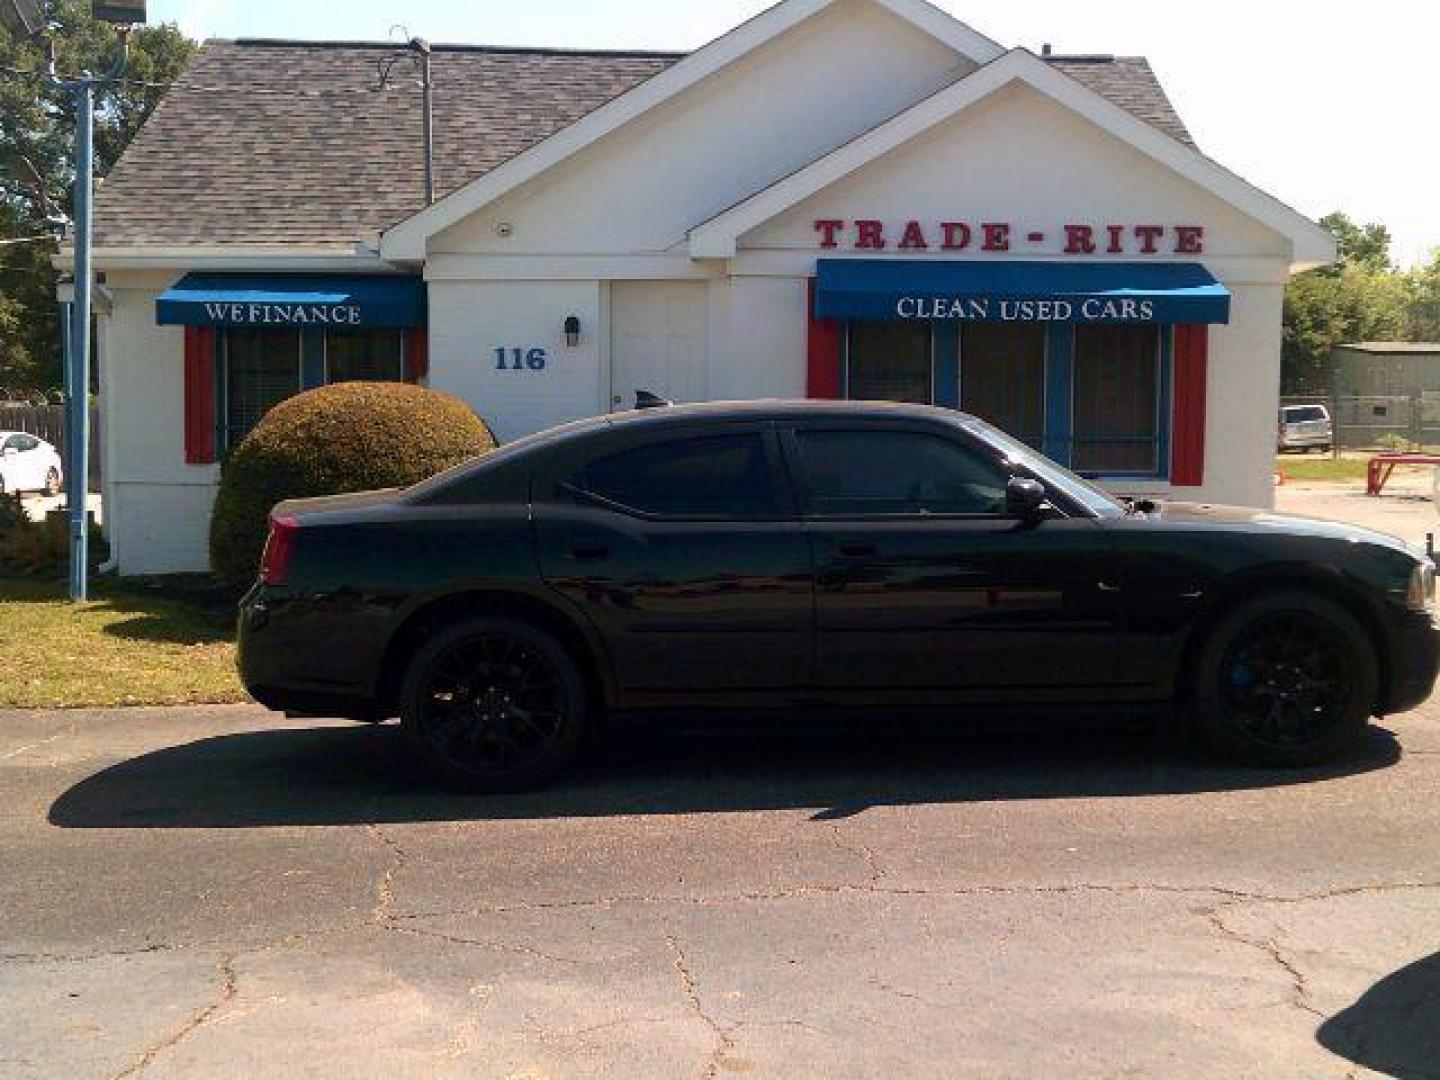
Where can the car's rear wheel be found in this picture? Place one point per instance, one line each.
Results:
(52, 483)
(1288, 679)
(494, 704)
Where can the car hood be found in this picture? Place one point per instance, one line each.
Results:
(1202, 514)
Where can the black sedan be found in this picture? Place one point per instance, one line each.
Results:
(802, 555)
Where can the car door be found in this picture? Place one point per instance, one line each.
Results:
(683, 549)
(35, 463)
(924, 583)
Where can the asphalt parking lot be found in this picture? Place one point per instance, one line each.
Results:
(217, 892)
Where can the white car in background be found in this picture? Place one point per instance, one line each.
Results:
(1306, 428)
(28, 464)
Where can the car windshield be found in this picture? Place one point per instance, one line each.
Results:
(1095, 499)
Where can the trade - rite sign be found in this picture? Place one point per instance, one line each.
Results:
(1003, 236)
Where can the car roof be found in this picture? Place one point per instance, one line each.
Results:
(779, 409)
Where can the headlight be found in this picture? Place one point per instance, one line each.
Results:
(1421, 595)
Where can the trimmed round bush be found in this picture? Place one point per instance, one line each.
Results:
(333, 441)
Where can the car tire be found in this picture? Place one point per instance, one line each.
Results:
(52, 483)
(1289, 679)
(494, 705)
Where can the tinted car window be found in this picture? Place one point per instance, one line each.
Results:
(27, 442)
(725, 477)
(1305, 414)
(867, 473)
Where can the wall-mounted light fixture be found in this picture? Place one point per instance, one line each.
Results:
(572, 331)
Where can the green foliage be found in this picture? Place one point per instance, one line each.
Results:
(1323, 310)
(1361, 298)
(39, 549)
(1363, 246)
(333, 441)
(37, 123)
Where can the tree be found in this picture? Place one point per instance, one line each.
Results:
(1360, 298)
(1365, 246)
(1425, 301)
(37, 165)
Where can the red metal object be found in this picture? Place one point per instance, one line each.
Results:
(199, 395)
(1382, 467)
(1192, 387)
(824, 361)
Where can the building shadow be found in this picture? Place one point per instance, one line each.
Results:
(354, 775)
(1394, 1029)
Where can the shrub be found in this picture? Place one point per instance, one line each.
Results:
(334, 441)
(40, 549)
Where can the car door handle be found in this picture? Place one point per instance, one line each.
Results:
(858, 551)
(594, 553)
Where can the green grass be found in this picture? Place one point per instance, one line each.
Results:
(1307, 468)
(127, 646)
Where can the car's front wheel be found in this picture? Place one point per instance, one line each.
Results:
(1288, 679)
(494, 704)
(52, 483)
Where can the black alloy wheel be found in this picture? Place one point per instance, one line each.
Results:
(1288, 679)
(494, 704)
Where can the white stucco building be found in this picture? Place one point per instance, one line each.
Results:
(859, 198)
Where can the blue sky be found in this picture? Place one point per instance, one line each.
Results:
(1324, 103)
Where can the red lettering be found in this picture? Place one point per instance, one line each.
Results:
(1117, 240)
(1079, 240)
(870, 235)
(914, 238)
(1189, 240)
(1149, 237)
(997, 236)
(957, 235)
(829, 230)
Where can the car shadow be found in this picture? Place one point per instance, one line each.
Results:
(1394, 1029)
(345, 776)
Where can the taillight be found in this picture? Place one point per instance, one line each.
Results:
(279, 549)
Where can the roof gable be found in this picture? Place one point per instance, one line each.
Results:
(407, 240)
(718, 237)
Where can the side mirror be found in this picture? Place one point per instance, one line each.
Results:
(1024, 499)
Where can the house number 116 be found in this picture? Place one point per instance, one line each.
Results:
(521, 359)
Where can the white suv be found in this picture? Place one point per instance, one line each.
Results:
(1306, 428)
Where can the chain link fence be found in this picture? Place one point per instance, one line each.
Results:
(1375, 423)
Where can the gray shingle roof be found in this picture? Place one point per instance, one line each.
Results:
(265, 142)
(1129, 82)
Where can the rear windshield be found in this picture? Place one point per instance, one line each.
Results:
(1304, 413)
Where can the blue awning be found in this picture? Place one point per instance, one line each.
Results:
(918, 289)
(298, 300)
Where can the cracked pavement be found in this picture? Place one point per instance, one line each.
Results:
(220, 892)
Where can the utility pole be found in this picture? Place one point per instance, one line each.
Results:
(19, 17)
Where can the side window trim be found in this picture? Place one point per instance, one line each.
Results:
(805, 497)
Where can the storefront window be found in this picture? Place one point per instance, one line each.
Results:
(261, 369)
(1002, 377)
(1117, 406)
(890, 361)
(364, 356)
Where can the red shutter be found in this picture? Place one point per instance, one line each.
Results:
(418, 355)
(199, 395)
(1192, 384)
(824, 363)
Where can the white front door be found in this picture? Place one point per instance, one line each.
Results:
(657, 341)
